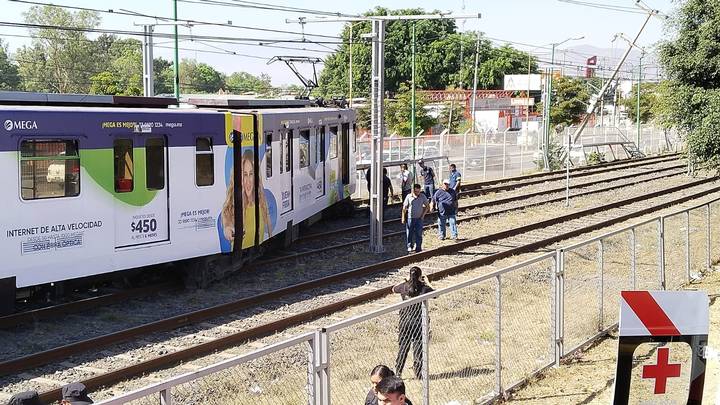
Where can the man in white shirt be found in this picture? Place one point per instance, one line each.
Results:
(406, 181)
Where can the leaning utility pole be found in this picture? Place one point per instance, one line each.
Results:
(377, 111)
(594, 103)
(413, 130)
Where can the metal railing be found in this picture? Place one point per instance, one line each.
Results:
(473, 341)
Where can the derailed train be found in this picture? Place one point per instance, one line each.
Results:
(99, 184)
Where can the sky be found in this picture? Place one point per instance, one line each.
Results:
(530, 25)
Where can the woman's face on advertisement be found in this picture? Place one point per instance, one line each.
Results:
(248, 180)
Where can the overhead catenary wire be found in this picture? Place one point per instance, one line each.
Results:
(163, 18)
(267, 6)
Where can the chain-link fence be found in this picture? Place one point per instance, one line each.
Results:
(497, 154)
(470, 342)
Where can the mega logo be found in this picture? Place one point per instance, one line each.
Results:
(19, 125)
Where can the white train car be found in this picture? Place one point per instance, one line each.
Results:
(99, 184)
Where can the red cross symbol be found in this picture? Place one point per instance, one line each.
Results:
(662, 370)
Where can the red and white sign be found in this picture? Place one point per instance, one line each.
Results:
(675, 320)
(664, 313)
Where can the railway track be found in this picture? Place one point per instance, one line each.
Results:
(506, 183)
(534, 236)
(470, 190)
(393, 228)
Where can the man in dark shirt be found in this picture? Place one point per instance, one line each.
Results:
(387, 186)
(445, 201)
(428, 175)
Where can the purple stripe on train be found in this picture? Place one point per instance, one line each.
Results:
(96, 128)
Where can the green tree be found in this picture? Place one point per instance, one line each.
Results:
(105, 83)
(691, 60)
(458, 117)
(243, 82)
(199, 77)
(398, 113)
(58, 60)
(164, 76)
(648, 101)
(438, 48)
(569, 101)
(9, 77)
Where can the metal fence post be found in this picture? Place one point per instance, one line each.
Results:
(601, 249)
(165, 397)
(322, 367)
(465, 134)
(633, 255)
(661, 251)
(314, 393)
(426, 352)
(558, 302)
(504, 151)
(687, 245)
(485, 156)
(708, 256)
(498, 336)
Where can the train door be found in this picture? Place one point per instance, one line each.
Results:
(345, 153)
(286, 169)
(140, 190)
(320, 159)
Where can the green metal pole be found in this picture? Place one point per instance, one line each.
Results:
(637, 113)
(413, 131)
(177, 54)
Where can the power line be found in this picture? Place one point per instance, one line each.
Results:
(267, 6)
(190, 22)
(160, 35)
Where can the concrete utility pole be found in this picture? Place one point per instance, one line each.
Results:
(378, 108)
(147, 48)
(639, 89)
(177, 54)
(475, 79)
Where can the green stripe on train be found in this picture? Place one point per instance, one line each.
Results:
(98, 163)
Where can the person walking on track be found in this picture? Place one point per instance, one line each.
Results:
(406, 180)
(428, 175)
(445, 202)
(414, 209)
(410, 331)
(455, 178)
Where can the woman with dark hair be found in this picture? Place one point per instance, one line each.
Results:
(410, 331)
(376, 375)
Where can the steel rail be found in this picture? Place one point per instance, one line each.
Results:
(282, 324)
(16, 365)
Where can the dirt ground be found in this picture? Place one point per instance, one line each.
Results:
(588, 378)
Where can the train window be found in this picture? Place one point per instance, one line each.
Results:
(333, 142)
(204, 162)
(268, 154)
(283, 140)
(287, 145)
(304, 146)
(49, 169)
(155, 163)
(321, 144)
(124, 166)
